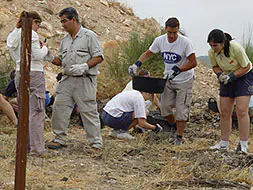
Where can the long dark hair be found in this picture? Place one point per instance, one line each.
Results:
(218, 36)
(32, 14)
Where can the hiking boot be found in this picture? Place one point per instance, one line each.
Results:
(222, 145)
(55, 145)
(241, 149)
(125, 135)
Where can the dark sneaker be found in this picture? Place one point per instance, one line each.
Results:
(55, 145)
(138, 130)
(172, 137)
(177, 142)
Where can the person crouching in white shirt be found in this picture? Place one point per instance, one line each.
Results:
(124, 111)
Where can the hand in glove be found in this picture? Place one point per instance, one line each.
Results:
(227, 78)
(171, 74)
(132, 69)
(158, 128)
(49, 57)
(219, 76)
(78, 69)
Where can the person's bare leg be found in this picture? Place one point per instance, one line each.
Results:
(7, 109)
(170, 119)
(14, 104)
(133, 124)
(181, 125)
(226, 109)
(242, 113)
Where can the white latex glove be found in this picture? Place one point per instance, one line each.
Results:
(224, 78)
(78, 69)
(169, 74)
(227, 78)
(132, 69)
(49, 57)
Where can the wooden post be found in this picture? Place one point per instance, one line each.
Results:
(23, 120)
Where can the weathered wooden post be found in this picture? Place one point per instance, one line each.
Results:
(23, 120)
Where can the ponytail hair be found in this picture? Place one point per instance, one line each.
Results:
(32, 14)
(218, 36)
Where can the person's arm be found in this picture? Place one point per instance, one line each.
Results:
(56, 61)
(243, 70)
(144, 56)
(144, 124)
(156, 101)
(132, 69)
(38, 52)
(94, 61)
(192, 62)
(217, 70)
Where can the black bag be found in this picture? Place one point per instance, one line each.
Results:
(212, 105)
(155, 117)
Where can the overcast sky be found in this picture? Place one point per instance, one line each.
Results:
(199, 17)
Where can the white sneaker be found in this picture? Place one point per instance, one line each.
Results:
(222, 145)
(114, 132)
(242, 148)
(125, 135)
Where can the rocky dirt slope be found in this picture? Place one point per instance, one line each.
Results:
(112, 21)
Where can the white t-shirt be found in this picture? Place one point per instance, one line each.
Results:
(127, 101)
(175, 53)
(129, 86)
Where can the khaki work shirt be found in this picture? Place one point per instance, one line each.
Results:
(79, 50)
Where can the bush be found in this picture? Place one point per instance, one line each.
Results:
(130, 52)
(248, 44)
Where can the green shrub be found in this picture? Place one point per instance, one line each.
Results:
(5, 74)
(4, 81)
(130, 52)
(248, 44)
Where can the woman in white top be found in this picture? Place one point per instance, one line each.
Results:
(36, 144)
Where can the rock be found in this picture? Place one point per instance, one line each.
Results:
(78, 3)
(127, 22)
(104, 2)
(47, 26)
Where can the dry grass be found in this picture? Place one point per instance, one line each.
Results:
(147, 163)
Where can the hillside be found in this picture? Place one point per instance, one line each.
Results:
(111, 21)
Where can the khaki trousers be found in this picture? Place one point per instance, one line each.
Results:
(82, 91)
(36, 143)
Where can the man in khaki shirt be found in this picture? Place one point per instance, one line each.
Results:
(79, 54)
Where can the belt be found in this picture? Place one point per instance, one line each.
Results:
(84, 75)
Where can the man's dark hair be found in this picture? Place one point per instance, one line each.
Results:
(70, 12)
(172, 22)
